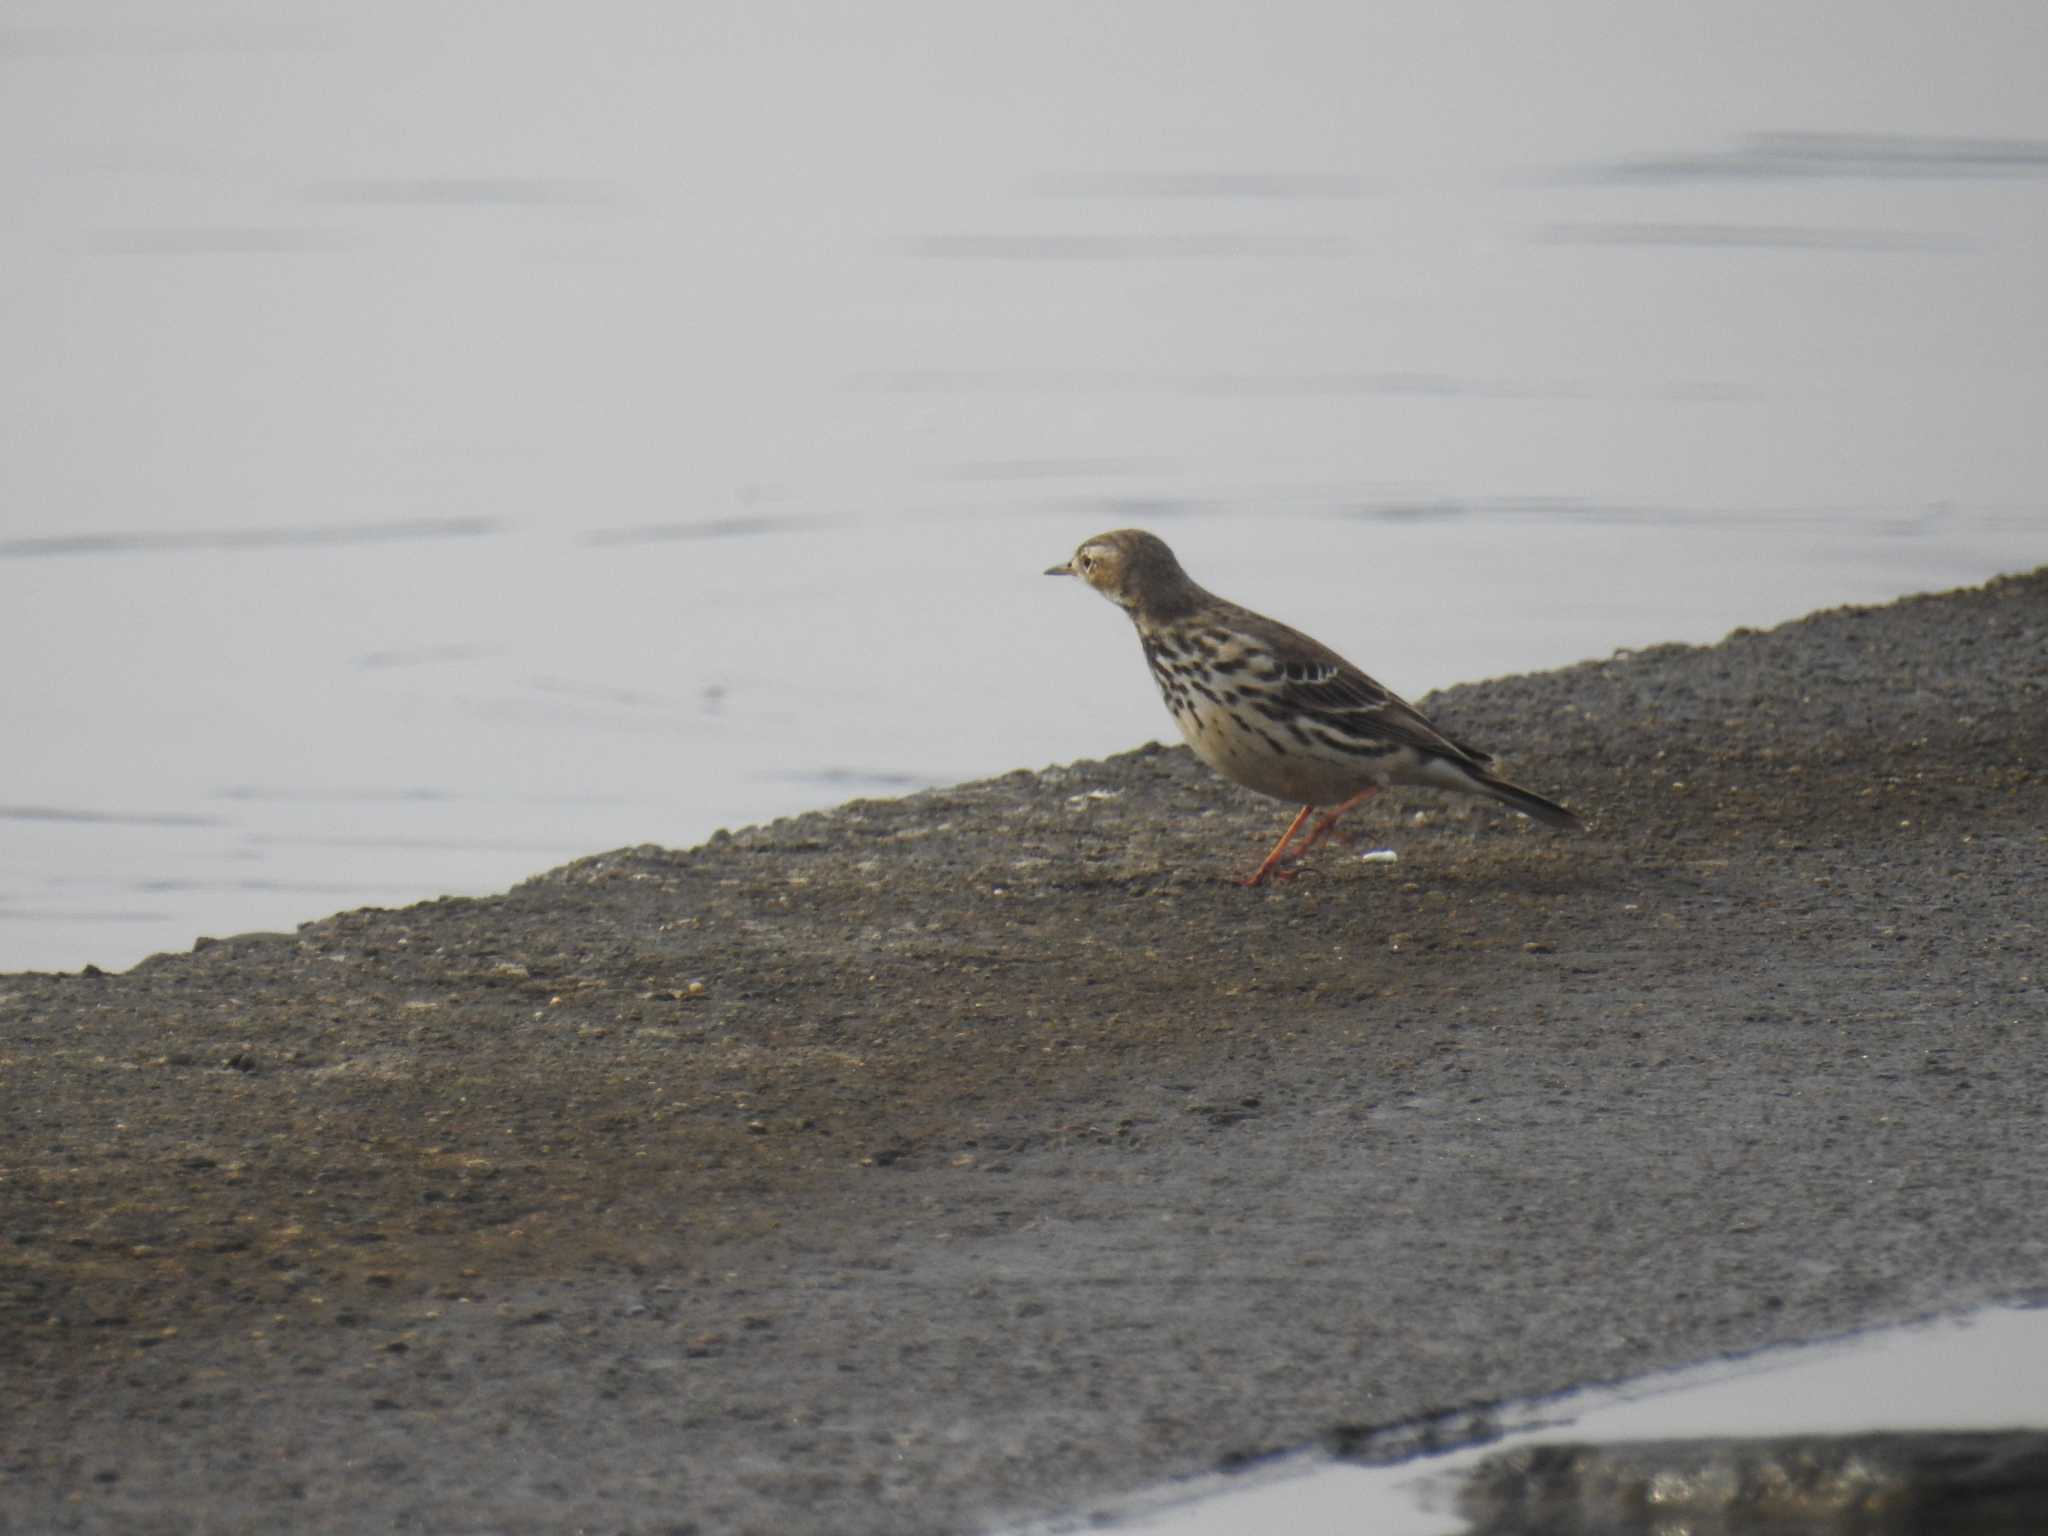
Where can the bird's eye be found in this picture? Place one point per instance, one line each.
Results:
(1087, 562)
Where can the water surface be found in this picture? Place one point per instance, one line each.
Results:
(443, 441)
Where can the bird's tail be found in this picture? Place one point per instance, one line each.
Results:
(1534, 806)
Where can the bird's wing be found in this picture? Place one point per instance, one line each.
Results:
(1323, 685)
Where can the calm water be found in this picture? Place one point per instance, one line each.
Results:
(440, 441)
(1972, 1374)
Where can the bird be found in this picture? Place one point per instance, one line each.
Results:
(1277, 711)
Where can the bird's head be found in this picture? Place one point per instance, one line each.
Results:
(1132, 568)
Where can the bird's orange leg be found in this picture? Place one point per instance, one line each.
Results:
(1323, 828)
(1258, 876)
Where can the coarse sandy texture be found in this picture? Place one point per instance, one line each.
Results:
(931, 1162)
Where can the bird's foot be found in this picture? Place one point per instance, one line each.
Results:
(1276, 873)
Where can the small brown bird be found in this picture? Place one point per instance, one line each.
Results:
(1276, 711)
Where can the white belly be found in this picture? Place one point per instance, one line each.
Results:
(1297, 774)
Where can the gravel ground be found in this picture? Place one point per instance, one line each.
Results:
(930, 1163)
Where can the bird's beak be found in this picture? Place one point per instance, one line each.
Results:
(1060, 570)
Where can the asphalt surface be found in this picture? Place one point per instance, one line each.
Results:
(932, 1163)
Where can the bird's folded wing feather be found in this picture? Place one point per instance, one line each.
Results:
(1345, 700)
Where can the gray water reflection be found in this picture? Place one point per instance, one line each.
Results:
(747, 527)
(1199, 247)
(860, 780)
(1862, 156)
(1755, 237)
(1284, 186)
(181, 540)
(83, 816)
(1938, 1403)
